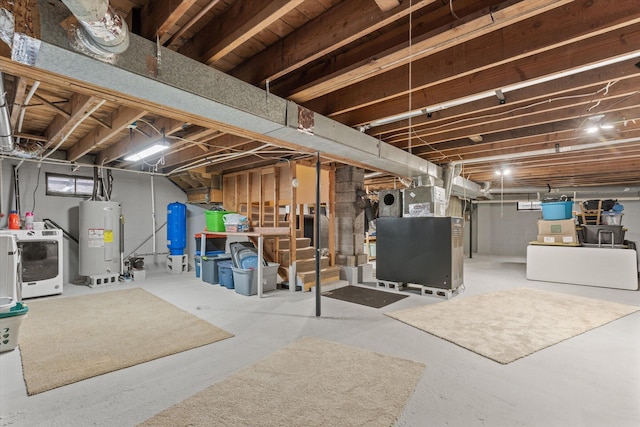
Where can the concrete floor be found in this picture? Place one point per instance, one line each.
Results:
(590, 380)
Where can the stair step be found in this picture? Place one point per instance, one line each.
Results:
(327, 275)
(301, 253)
(305, 265)
(301, 242)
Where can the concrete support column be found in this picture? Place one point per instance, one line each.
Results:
(349, 222)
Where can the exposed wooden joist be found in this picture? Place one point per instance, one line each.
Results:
(121, 118)
(582, 83)
(221, 143)
(387, 5)
(19, 95)
(61, 127)
(129, 145)
(610, 45)
(535, 35)
(465, 29)
(176, 39)
(159, 17)
(578, 109)
(237, 25)
(339, 26)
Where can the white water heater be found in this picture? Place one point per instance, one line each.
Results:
(100, 239)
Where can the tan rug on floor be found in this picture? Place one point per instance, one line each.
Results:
(311, 382)
(66, 340)
(507, 325)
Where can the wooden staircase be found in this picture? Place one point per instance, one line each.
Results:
(306, 263)
(278, 249)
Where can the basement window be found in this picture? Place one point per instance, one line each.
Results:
(71, 186)
(530, 206)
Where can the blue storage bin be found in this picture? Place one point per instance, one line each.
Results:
(557, 210)
(225, 274)
(197, 262)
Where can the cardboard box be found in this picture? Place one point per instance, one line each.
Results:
(558, 238)
(561, 226)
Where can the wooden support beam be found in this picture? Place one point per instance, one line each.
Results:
(499, 48)
(160, 17)
(465, 29)
(19, 95)
(99, 135)
(129, 145)
(593, 50)
(61, 126)
(339, 26)
(240, 23)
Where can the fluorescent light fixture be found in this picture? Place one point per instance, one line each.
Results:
(606, 126)
(147, 152)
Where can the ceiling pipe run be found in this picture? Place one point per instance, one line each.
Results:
(568, 191)
(565, 149)
(6, 137)
(102, 32)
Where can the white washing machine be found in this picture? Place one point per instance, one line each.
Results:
(41, 261)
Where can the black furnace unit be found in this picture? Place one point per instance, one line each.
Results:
(426, 251)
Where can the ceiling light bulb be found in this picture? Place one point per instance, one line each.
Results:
(149, 151)
(506, 172)
(606, 126)
(592, 129)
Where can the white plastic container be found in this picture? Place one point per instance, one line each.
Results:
(28, 221)
(612, 218)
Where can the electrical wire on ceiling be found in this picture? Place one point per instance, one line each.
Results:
(618, 101)
(453, 13)
(212, 158)
(510, 111)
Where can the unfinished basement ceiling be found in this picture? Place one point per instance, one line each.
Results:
(483, 84)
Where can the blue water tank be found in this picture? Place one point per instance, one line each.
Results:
(176, 228)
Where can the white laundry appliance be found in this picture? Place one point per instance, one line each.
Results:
(9, 274)
(41, 261)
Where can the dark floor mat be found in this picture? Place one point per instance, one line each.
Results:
(364, 296)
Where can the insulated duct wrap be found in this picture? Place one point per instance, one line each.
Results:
(102, 33)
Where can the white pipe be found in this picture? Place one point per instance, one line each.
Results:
(568, 190)
(153, 217)
(66, 163)
(565, 149)
(214, 159)
(1, 190)
(6, 136)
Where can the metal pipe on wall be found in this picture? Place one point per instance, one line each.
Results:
(317, 234)
(6, 136)
(153, 217)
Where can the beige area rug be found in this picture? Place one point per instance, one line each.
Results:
(507, 325)
(311, 382)
(66, 340)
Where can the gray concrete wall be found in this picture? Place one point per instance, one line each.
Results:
(509, 233)
(132, 190)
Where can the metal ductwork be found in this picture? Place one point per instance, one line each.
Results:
(102, 32)
(6, 138)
